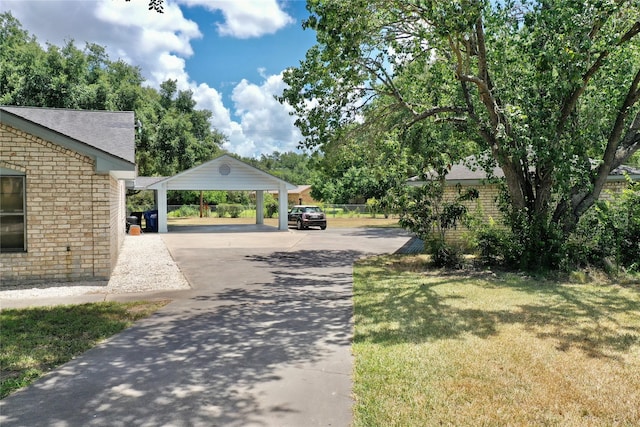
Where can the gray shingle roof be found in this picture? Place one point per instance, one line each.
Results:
(624, 169)
(110, 131)
(469, 171)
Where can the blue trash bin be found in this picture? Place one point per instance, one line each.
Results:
(151, 218)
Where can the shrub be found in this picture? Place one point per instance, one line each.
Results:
(271, 207)
(372, 206)
(221, 210)
(233, 210)
(609, 233)
(184, 211)
(427, 214)
(445, 255)
(491, 244)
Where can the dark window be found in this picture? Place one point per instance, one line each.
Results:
(12, 213)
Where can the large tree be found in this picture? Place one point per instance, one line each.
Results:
(547, 89)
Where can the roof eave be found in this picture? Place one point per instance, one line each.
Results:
(105, 162)
(159, 185)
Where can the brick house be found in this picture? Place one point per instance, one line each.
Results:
(301, 195)
(461, 176)
(62, 198)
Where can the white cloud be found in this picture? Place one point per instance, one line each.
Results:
(265, 124)
(157, 43)
(160, 44)
(246, 18)
(263, 119)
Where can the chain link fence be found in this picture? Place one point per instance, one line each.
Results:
(249, 211)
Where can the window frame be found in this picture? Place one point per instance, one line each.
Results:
(10, 173)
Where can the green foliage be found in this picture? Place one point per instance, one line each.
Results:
(429, 217)
(239, 197)
(537, 242)
(372, 206)
(185, 211)
(270, 205)
(494, 244)
(184, 197)
(609, 234)
(295, 168)
(140, 201)
(174, 136)
(233, 210)
(62, 77)
(359, 167)
(544, 90)
(445, 255)
(427, 214)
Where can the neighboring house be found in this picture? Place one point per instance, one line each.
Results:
(301, 195)
(461, 176)
(62, 198)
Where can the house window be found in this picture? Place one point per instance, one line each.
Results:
(12, 211)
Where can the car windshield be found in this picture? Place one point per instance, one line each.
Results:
(312, 209)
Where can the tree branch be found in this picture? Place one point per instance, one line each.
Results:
(616, 148)
(571, 101)
(435, 111)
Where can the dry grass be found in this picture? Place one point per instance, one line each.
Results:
(337, 222)
(486, 349)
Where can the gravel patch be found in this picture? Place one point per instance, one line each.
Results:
(144, 265)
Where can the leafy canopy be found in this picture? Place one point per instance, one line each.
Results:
(547, 90)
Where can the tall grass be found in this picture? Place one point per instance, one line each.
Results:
(489, 349)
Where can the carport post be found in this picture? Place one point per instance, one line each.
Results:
(283, 205)
(162, 208)
(259, 207)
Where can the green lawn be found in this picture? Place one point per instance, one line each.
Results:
(485, 349)
(34, 341)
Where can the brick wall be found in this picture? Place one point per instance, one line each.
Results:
(117, 217)
(487, 205)
(70, 213)
(294, 198)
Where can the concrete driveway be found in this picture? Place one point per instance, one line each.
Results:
(262, 339)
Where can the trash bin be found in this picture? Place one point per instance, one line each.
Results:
(131, 220)
(139, 216)
(151, 218)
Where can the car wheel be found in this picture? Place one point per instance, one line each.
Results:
(299, 225)
(324, 227)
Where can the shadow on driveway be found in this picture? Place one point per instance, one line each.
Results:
(263, 340)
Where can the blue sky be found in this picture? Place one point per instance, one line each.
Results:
(230, 53)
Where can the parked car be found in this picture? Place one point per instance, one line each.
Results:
(305, 216)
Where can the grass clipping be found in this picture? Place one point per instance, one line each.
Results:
(486, 349)
(36, 340)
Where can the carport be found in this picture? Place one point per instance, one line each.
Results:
(224, 173)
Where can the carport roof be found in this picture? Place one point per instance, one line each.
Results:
(222, 173)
